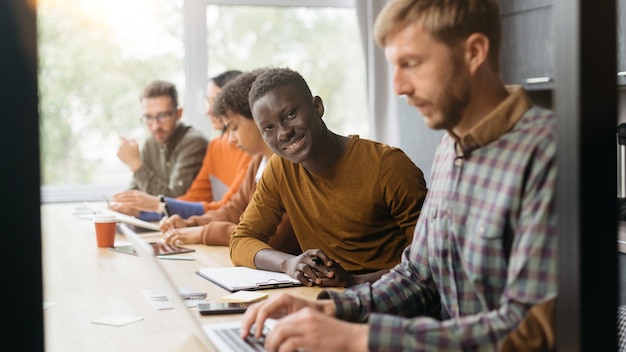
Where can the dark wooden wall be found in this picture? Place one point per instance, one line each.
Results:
(20, 237)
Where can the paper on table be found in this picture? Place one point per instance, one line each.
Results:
(185, 292)
(161, 302)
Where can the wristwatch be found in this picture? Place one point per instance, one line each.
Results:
(162, 207)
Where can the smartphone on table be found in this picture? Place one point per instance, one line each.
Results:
(215, 308)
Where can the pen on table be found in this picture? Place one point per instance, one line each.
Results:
(171, 257)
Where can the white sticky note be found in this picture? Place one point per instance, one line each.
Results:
(118, 320)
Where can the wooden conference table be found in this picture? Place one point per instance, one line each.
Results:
(83, 283)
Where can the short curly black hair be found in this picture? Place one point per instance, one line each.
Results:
(233, 98)
(273, 78)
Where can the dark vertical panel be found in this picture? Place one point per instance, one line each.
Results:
(19, 155)
(586, 105)
(621, 259)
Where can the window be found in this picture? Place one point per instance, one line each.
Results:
(96, 56)
(303, 38)
(318, 38)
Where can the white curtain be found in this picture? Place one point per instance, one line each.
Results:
(386, 111)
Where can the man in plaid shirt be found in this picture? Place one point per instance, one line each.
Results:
(484, 248)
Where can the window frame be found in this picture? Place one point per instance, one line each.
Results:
(196, 48)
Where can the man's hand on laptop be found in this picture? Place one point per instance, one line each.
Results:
(136, 200)
(289, 309)
(123, 208)
(277, 307)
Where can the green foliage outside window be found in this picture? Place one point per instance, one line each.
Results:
(95, 56)
(90, 79)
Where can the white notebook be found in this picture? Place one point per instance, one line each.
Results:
(243, 278)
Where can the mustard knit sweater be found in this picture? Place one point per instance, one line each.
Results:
(360, 212)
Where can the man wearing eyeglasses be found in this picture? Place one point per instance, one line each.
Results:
(172, 156)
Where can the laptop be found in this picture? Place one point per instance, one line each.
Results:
(214, 337)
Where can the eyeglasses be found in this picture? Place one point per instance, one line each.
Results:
(160, 117)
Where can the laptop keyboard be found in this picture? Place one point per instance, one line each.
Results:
(233, 338)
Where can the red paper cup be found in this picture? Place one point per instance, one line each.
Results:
(105, 230)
